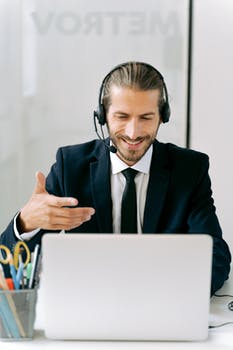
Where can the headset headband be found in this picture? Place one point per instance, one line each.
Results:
(100, 112)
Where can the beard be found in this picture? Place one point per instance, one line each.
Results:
(131, 156)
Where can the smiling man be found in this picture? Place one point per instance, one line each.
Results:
(133, 120)
(129, 183)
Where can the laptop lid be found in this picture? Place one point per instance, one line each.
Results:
(126, 287)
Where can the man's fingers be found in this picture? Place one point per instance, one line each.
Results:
(40, 183)
(61, 201)
(51, 199)
(66, 218)
(72, 213)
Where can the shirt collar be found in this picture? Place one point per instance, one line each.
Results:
(143, 165)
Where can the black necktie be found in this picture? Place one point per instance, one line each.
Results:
(129, 203)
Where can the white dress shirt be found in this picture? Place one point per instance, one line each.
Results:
(26, 236)
(118, 182)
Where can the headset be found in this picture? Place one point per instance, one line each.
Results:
(100, 113)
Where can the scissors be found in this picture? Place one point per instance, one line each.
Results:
(15, 261)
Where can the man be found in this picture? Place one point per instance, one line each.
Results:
(84, 191)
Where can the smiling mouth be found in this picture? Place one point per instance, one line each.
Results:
(133, 144)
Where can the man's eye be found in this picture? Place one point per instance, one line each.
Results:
(146, 118)
(121, 116)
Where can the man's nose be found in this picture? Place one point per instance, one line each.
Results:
(132, 129)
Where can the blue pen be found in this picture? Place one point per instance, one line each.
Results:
(4, 320)
(13, 275)
(19, 275)
(9, 316)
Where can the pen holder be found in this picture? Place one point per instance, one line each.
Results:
(17, 314)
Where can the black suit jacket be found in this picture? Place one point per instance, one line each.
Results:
(179, 196)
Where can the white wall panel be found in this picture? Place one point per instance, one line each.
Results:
(212, 121)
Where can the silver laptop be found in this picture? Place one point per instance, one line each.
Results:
(126, 287)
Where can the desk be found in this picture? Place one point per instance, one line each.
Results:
(219, 338)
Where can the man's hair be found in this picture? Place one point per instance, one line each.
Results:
(134, 75)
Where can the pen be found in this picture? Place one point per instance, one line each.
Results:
(10, 283)
(38, 270)
(20, 272)
(28, 274)
(19, 275)
(4, 319)
(2, 279)
(9, 309)
(34, 264)
(13, 275)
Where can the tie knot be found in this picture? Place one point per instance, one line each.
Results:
(129, 174)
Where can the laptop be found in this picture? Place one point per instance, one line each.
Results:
(126, 287)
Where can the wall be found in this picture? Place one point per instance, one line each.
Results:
(212, 120)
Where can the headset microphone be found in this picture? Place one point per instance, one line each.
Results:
(110, 148)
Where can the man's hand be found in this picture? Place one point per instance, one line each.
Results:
(48, 212)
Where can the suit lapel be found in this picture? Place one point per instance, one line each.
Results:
(157, 188)
(101, 192)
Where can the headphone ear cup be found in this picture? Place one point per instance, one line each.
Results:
(100, 114)
(165, 112)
